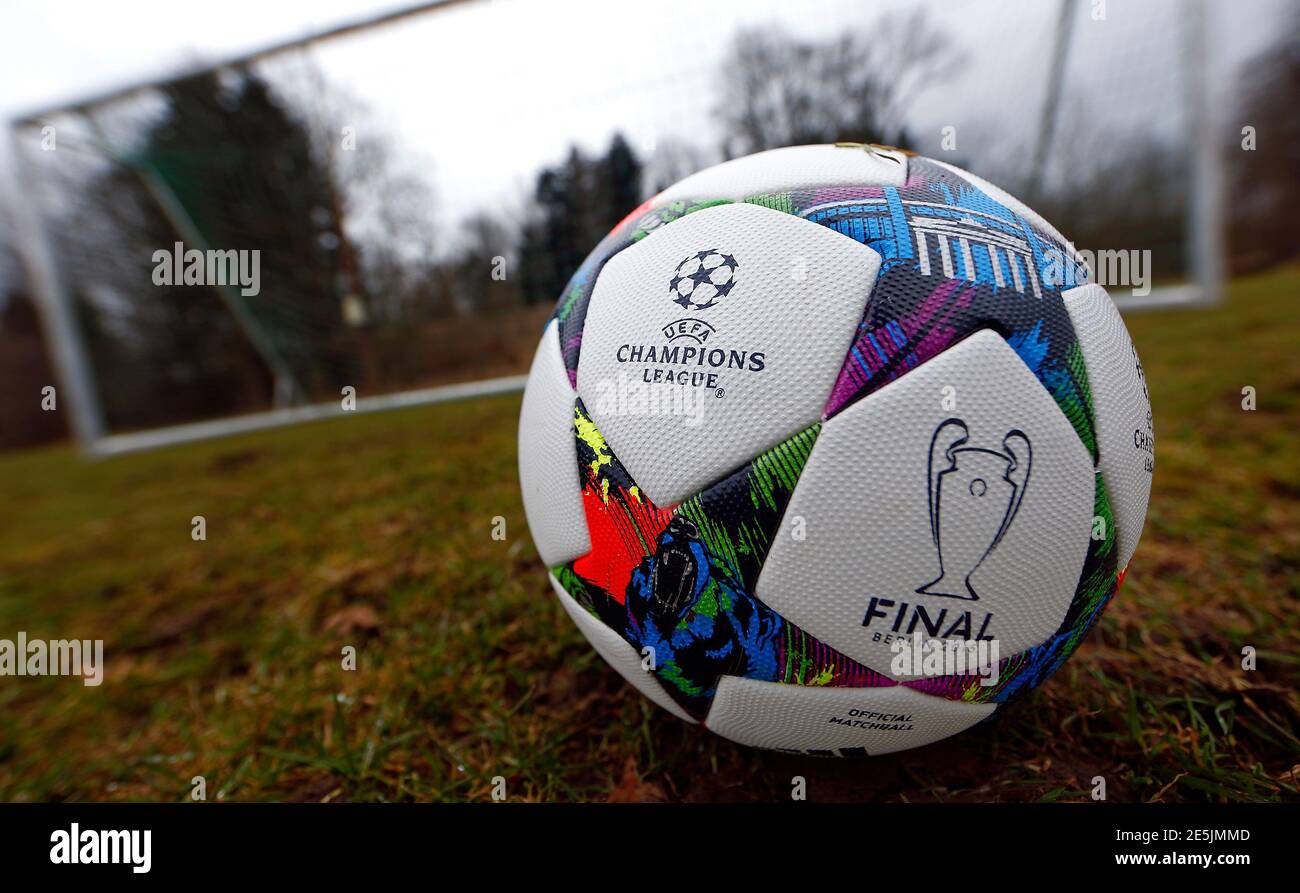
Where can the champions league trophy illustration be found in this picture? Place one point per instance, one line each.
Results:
(973, 499)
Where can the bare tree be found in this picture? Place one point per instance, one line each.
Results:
(672, 160)
(1265, 188)
(383, 212)
(781, 91)
(479, 273)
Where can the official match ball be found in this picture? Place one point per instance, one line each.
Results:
(835, 449)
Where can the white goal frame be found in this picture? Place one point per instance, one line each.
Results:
(78, 387)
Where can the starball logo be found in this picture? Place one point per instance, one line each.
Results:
(703, 279)
(699, 282)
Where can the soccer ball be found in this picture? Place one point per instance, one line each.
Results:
(834, 449)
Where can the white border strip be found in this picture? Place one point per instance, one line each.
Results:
(157, 438)
(1165, 297)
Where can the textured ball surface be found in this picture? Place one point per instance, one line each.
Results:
(835, 449)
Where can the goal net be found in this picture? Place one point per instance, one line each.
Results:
(385, 212)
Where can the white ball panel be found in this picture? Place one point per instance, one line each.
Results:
(548, 458)
(1125, 436)
(880, 720)
(865, 495)
(798, 293)
(795, 167)
(617, 653)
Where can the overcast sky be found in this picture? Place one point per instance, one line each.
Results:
(478, 96)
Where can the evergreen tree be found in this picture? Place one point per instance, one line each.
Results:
(576, 204)
(242, 168)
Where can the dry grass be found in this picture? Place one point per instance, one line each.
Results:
(224, 656)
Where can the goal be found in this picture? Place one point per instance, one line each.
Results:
(363, 241)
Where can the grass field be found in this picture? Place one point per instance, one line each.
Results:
(223, 656)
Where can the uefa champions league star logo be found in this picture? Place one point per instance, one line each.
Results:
(975, 494)
(702, 279)
(699, 282)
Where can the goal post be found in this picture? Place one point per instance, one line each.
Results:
(139, 367)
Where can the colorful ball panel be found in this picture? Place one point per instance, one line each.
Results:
(928, 457)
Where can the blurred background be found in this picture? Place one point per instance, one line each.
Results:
(382, 167)
(421, 180)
